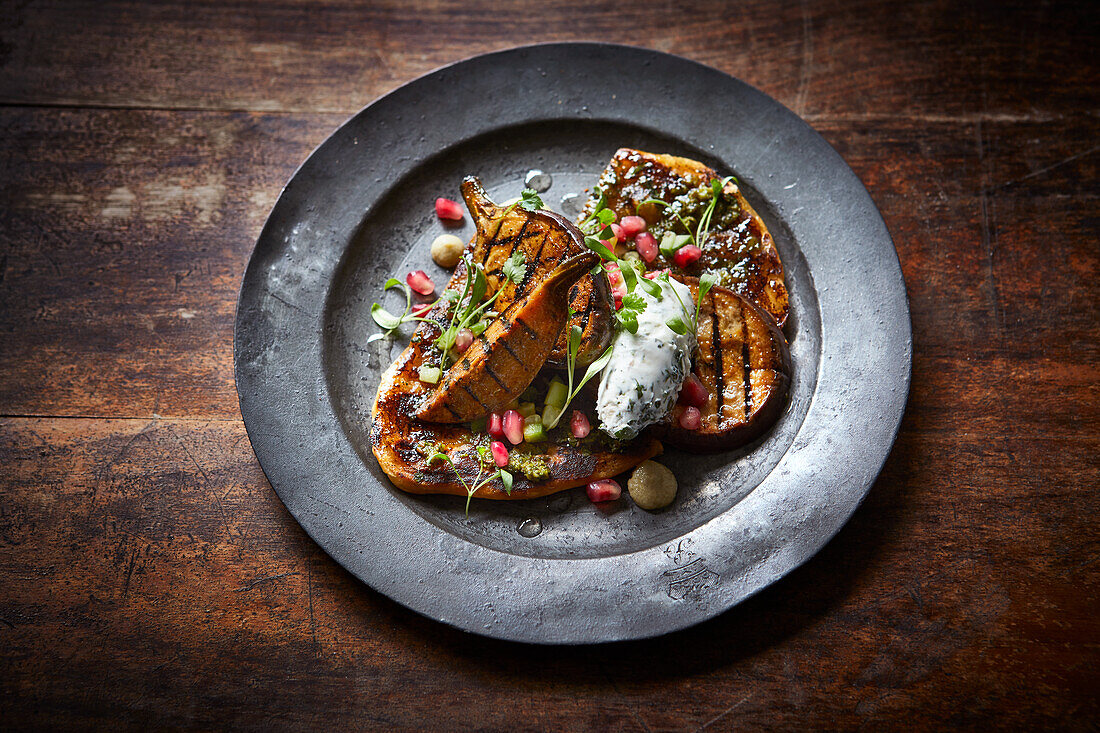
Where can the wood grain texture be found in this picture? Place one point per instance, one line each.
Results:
(925, 59)
(149, 577)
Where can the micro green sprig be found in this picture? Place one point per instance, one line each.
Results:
(471, 489)
(386, 320)
(469, 309)
(678, 324)
(571, 365)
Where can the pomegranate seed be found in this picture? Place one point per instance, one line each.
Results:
(419, 281)
(463, 339)
(421, 309)
(646, 244)
(654, 273)
(686, 255)
(632, 225)
(614, 274)
(579, 425)
(500, 453)
(691, 418)
(496, 425)
(606, 490)
(618, 293)
(620, 233)
(447, 209)
(513, 427)
(693, 392)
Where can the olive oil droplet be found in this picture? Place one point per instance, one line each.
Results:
(538, 180)
(572, 204)
(529, 527)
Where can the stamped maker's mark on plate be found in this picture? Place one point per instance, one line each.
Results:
(692, 578)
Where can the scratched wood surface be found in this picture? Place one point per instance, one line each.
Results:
(150, 577)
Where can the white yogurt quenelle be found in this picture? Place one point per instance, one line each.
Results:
(642, 380)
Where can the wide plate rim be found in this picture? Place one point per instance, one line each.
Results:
(561, 630)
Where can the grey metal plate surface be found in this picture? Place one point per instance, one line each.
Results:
(359, 210)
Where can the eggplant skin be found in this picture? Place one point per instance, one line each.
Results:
(500, 363)
(401, 443)
(546, 238)
(739, 249)
(745, 364)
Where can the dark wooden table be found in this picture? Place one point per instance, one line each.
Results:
(150, 576)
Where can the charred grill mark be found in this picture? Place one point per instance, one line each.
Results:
(447, 406)
(716, 350)
(511, 351)
(474, 397)
(589, 307)
(496, 377)
(519, 237)
(747, 361)
(530, 331)
(529, 275)
(545, 236)
(510, 241)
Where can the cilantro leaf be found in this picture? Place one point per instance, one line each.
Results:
(506, 479)
(516, 267)
(529, 200)
(634, 302)
(628, 320)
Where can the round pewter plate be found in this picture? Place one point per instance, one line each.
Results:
(561, 570)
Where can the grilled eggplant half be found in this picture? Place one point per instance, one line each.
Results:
(744, 363)
(546, 238)
(737, 249)
(403, 444)
(499, 365)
